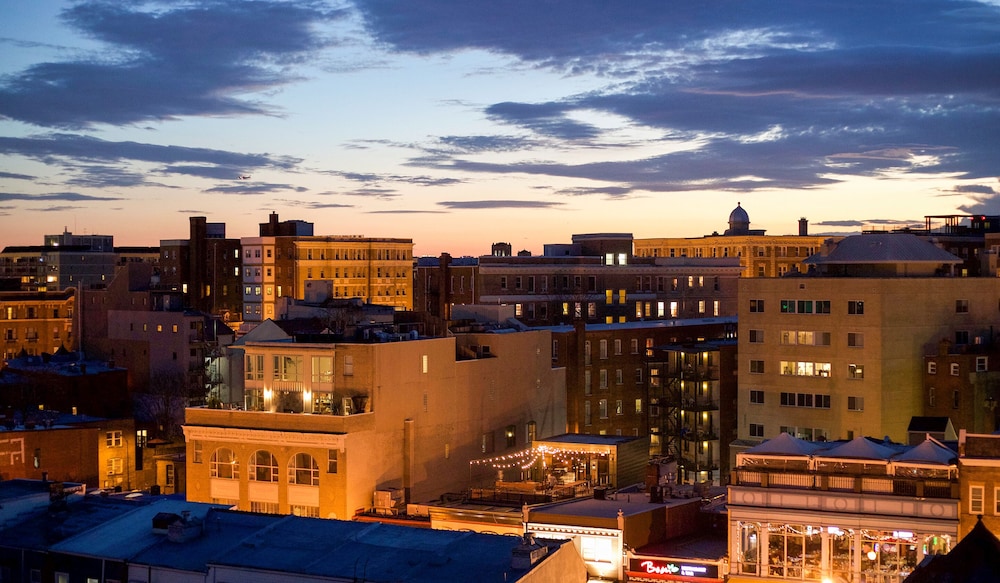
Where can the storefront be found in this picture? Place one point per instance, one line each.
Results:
(656, 569)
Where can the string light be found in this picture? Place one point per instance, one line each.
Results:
(526, 458)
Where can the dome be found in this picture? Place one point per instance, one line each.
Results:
(739, 221)
(739, 216)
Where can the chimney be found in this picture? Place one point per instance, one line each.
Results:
(803, 227)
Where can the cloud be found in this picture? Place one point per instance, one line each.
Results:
(162, 62)
(868, 222)
(54, 209)
(405, 212)
(14, 176)
(498, 204)
(66, 196)
(254, 188)
(51, 148)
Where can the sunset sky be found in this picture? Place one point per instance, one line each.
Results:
(459, 123)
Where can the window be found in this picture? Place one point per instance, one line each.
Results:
(619, 407)
(786, 306)
(170, 474)
(856, 307)
(587, 415)
(756, 367)
(287, 368)
(263, 467)
(756, 396)
(604, 349)
(961, 306)
(603, 379)
(619, 376)
(618, 346)
(756, 336)
(638, 376)
(638, 406)
(635, 345)
(113, 439)
(804, 307)
(224, 465)
(961, 336)
(981, 363)
(756, 306)
(348, 365)
(932, 367)
(197, 452)
(602, 406)
(588, 382)
(855, 371)
(930, 397)
(332, 457)
(855, 403)
(756, 430)
(822, 306)
(322, 369)
(855, 339)
(115, 466)
(976, 495)
(954, 369)
(805, 369)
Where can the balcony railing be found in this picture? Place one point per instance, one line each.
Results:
(890, 485)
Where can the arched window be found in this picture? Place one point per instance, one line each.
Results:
(224, 464)
(263, 467)
(303, 470)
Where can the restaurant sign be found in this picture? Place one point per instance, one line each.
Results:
(673, 568)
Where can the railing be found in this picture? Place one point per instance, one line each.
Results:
(891, 485)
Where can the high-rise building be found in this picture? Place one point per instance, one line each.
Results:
(205, 269)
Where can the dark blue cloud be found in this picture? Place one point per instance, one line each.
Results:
(64, 196)
(164, 63)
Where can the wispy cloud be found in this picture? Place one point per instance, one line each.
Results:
(498, 204)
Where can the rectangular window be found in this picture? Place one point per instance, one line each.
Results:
(348, 365)
(587, 382)
(786, 306)
(618, 346)
(332, 457)
(954, 369)
(197, 452)
(603, 408)
(635, 345)
(976, 495)
(322, 369)
(932, 368)
(604, 349)
(756, 336)
(756, 430)
(113, 439)
(804, 307)
(555, 350)
(756, 397)
(822, 306)
(638, 406)
(855, 339)
(603, 379)
(855, 403)
(981, 363)
(756, 306)
(638, 376)
(961, 337)
(115, 466)
(855, 371)
(756, 367)
(856, 307)
(619, 376)
(587, 414)
(619, 407)
(961, 306)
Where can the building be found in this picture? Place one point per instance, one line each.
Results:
(692, 395)
(962, 381)
(979, 474)
(205, 269)
(269, 268)
(65, 382)
(149, 539)
(849, 511)
(315, 411)
(759, 255)
(611, 382)
(64, 261)
(603, 530)
(442, 282)
(32, 323)
(597, 279)
(841, 353)
(377, 270)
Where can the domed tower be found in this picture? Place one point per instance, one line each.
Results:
(739, 222)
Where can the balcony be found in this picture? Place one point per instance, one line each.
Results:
(940, 488)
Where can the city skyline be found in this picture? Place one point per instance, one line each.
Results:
(460, 124)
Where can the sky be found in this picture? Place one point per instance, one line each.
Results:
(459, 123)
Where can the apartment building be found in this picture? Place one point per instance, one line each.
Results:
(33, 323)
(979, 476)
(853, 511)
(327, 424)
(377, 270)
(962, 382)
(841, 353)
(759, 255)
(619, 376)
(205, 269)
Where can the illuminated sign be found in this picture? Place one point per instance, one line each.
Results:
(675, 568)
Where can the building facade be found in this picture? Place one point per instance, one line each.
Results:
(377, 270)
(759, 255)
(32, 323)
(855, 511)
(316, 413)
